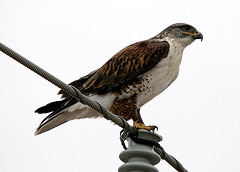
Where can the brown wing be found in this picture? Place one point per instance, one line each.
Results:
(127, 65)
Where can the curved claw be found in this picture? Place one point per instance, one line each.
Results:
(153, 127)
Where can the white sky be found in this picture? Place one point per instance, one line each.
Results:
(198, 115)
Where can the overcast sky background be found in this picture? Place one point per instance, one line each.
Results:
(198, 115)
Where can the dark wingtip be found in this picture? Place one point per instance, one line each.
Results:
(43, 109)
(50, 107)
(40, 110)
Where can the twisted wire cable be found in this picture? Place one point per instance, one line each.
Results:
(170, 159)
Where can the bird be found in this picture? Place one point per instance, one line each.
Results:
(127, 81)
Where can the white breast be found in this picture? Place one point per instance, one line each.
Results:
(162, 75)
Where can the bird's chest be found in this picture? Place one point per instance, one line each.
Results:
(155, 80)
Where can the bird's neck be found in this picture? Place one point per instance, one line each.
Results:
(177, 41)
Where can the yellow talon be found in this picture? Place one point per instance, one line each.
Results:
(144, 127)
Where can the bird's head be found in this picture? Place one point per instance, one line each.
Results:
(182, 32)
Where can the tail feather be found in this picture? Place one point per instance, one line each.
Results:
(66, 109)
(49, 123)
(69, 109)
(76, 111)
(56, 108)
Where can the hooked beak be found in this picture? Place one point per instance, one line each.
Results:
(197, 35)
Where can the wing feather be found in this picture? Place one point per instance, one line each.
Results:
(125, 66)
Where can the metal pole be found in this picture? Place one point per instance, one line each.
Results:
(139, 157)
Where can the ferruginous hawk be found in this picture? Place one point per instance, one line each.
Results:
(128, 80)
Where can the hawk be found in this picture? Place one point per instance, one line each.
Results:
(127, 81)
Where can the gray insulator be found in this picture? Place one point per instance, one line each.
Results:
(139, 157)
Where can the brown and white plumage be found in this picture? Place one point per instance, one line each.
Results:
(128, 80)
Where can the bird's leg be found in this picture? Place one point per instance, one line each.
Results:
(138, 122)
